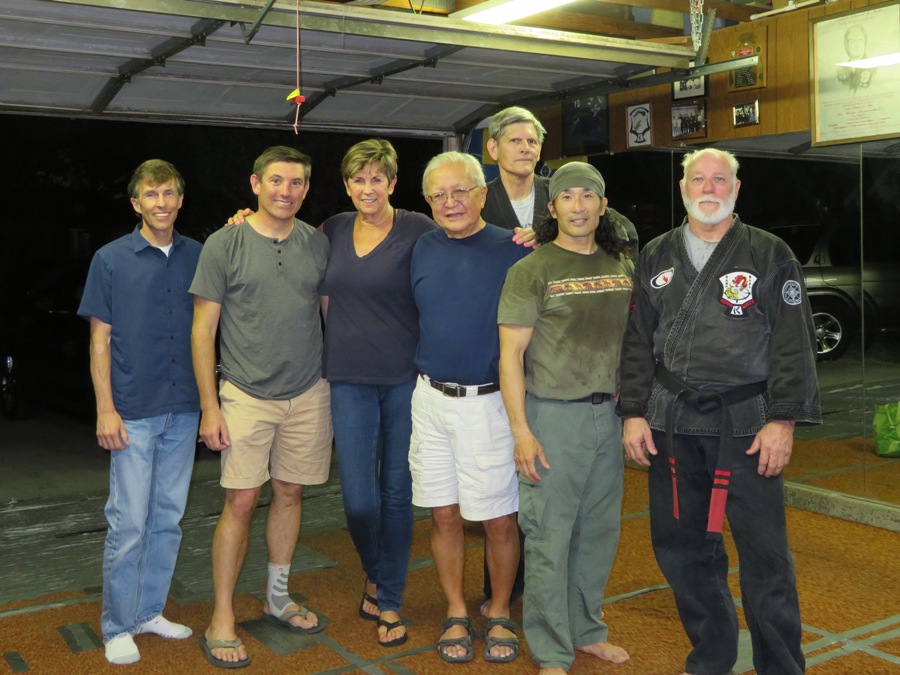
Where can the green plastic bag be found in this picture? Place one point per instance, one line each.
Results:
(887, 436)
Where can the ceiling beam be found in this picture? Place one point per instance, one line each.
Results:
(601, 25)
(724, 10)
(344, 19)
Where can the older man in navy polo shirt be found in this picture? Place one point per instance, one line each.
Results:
(136, 298)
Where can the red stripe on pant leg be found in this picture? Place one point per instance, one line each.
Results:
(674, 488)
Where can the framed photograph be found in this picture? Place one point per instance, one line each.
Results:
(855, 75)
(639, 126)
(746, 114)
(689, 120)
(585, 126)
(691, 87)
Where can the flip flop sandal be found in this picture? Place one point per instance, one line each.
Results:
(208, 645)
(368, 616)
(465, 641)
(490, 642)
(285, 621)
(391, 625)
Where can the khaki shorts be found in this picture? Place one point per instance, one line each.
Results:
(293, 437)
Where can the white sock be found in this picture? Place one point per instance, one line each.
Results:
(161, 626)
(121, 650)
(277, 588)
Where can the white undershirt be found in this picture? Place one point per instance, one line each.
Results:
(524, 209)
(165, 249)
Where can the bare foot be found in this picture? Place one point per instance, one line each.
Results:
(605, 651)
(485, 608)
(385, 635)
(305, 621)
(230, 654)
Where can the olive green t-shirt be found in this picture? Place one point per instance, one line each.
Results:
(578, 305)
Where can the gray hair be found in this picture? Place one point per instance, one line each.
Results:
(514, 115)
(473, 168)
(722, 155)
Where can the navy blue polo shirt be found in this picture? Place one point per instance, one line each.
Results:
(143, 294)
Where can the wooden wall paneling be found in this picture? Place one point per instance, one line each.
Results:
(791, 60)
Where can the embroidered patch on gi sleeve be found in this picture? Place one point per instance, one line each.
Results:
(791, 292)
(663, 278)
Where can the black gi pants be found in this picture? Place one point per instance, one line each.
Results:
(697, 568)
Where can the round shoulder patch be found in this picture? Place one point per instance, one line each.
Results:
(791, 292)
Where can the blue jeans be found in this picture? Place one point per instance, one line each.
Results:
(148, 486)
(372, 426)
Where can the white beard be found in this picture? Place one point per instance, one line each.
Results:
(726, 208)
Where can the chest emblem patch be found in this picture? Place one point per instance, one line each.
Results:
(663, 278)
(737, 293)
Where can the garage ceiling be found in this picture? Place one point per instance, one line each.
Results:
(363, 68)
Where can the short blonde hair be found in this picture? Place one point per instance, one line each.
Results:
(376, 152)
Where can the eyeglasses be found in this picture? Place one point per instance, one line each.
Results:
(460, 195)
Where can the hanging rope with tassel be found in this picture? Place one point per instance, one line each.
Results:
(297, 96)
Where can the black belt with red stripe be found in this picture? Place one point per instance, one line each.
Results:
(707, 402)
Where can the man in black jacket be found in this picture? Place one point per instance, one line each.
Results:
(517, 198)
(717, 368)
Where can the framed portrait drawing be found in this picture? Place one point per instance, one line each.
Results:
(854, 64)
(746, 114)
(638, 128)
(689, 120)
(691, 87)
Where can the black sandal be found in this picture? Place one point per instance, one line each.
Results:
(362, 604)
(391, 625)
(491, 642)
(465, 641)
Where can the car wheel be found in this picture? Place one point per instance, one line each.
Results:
(834, 329)
(10, 394)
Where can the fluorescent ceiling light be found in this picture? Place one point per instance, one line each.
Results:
(874, 62)
(503, 11)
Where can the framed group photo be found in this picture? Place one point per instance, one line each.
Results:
(746, 114)
(689, 120)
(691, 87)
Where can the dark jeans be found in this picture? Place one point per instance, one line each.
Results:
(697, 568)
(372, 426)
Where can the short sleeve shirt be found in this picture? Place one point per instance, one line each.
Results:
(270, 326)
(578, 306)
(143, 294)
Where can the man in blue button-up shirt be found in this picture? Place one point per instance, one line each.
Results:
(136, 298)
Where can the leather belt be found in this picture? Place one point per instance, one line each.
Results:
(454, 390)
(595, 399)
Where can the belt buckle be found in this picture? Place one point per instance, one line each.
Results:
(452, 390)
